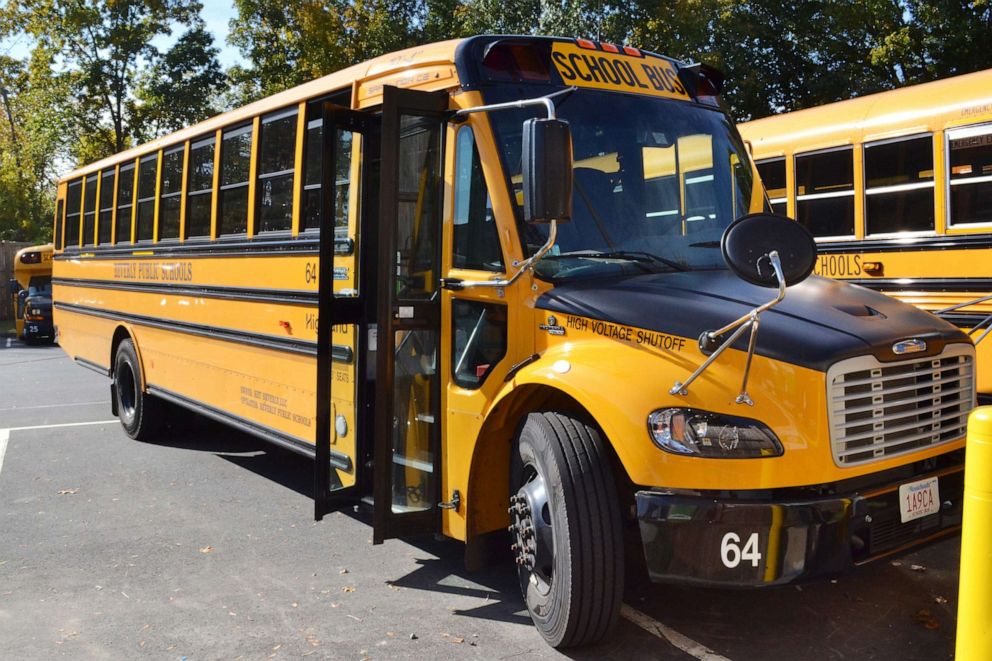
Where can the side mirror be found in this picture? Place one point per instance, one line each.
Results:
(547, 170)
(748, 242)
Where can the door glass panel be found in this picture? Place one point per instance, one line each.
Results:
(347, 171)
(419, 202)
(415, 373)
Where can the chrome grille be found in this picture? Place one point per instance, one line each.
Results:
(878, 410)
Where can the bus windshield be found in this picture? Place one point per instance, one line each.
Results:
(40, 285)
(655, 184)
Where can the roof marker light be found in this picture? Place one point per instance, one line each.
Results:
(630, 50)
(609, 48)
(585, 43)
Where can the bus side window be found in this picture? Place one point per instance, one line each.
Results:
(825, 192)
(74, 199)
(235, 165)
(311, 170)
(147, 176)
(970, 167)
(772, 173)
(172, 189)
(125, 201)
(106, 208)
(199, 198)
(276, 162)
(478, 341)
(58, 224)
(476, 240)
(899, 186)
(89, 209)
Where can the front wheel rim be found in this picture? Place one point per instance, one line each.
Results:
(534, 548)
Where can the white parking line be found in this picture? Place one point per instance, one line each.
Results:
(656, 628)
(52, 406)
(64, 424)
(5, 433)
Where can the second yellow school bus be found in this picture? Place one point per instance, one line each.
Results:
(897, 188)
(483, 284)
(33, 302)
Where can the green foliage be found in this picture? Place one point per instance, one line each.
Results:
(94, 85)
(181, 88)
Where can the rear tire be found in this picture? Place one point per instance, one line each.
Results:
(140, 413)
(566, 528)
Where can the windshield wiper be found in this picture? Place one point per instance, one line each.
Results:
(705, 244)
(635, 256)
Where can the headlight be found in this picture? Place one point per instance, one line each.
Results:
(704, 434)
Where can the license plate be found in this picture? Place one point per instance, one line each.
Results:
(918, 499)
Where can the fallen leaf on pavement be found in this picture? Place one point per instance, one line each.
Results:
(348, 588)
(919, 568)
(207, 549)
(66, 492)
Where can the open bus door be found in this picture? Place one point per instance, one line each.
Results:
(408, 391)
(345, 309)
(389, 312)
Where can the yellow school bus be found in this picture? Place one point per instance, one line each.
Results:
(897, 188)
(515, 284)
(32, 297)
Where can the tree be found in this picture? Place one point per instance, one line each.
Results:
(104, 43)
(181, 88)
(31, 137)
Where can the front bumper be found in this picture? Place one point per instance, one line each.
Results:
(749, 543)
(36, 330)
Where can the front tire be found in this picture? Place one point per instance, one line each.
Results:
(139, 412)
(566, 525)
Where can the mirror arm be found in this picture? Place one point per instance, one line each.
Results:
(984, 325)
(546, 101)
(524, 266)
(748, 321)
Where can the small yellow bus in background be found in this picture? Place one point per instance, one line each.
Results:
(32, 300)
(897, 189)
(484, 284)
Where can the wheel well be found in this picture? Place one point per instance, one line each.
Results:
(120, 334)
(489, 477)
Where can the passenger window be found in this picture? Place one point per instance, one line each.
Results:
(125, 201)
(312, 174)
(74, 197)
(58, 223)
(476, 240)
(479, 340)
(199, 199)
(899, 186)
(772, 173)
(970, 156)
(235, 166)
(89, 210)
(825, 192)
(171, 195)
(106, 214)
(311, 181)
(276, 163)
(147, 177)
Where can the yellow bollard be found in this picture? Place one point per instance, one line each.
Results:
(974, 637)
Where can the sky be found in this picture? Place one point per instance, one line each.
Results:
(215, 14)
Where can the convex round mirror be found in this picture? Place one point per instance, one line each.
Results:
(747, 242)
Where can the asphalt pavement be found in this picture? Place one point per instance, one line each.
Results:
(202, 546)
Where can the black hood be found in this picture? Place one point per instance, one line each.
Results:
(820, 321)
